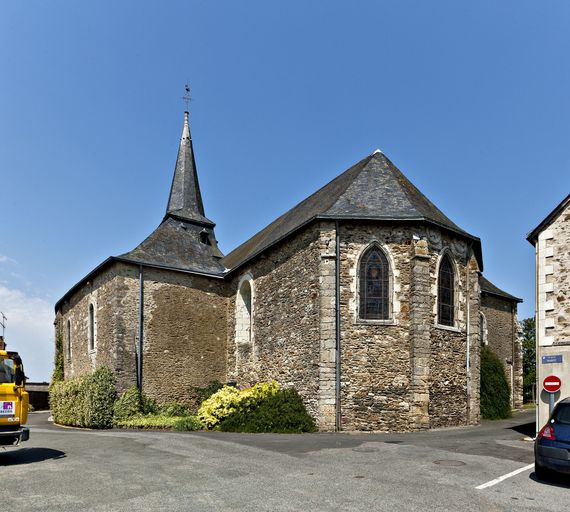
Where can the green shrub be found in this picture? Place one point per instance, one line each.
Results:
(129, 404)
(173, 409)
(187, 423)
(160, 422)
(228, 400)
(198, 394)
(86, 401)
(495, 394)
(283, 412)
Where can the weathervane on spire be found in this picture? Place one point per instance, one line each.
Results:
(186, 97)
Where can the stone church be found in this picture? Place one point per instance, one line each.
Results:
(364, 297)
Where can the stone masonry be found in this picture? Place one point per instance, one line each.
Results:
(284, 305)
(502, 337)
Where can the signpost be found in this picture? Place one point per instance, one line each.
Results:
(551, 385)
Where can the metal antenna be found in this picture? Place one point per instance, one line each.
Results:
(186, 97)
(3, 322)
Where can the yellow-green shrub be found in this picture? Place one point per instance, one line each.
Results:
(230, 400)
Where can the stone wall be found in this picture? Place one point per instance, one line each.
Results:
(184, 329)
(407, 373)
(375, 355)
(285, 337)
(454, 391)
(554, 277)
(102, 292)
(184, 333)
(502, 338)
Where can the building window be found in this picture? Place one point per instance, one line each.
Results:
(68, 339)
(445, 292)
(374, 289)
(91, 327)
(243, 313)
(244, 321)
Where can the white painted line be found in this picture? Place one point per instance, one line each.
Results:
(504, 477)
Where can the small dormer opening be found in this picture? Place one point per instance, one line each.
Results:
(205, 237)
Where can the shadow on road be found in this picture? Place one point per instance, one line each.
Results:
(527, 429)
(555, 480)
(28, 456)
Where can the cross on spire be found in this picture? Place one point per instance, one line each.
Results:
(186, 97)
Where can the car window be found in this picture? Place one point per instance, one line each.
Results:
(6, 371)
(562, 414)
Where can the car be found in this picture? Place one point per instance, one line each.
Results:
(552, 444)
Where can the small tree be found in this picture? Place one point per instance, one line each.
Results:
(529, 359)
(495, 394)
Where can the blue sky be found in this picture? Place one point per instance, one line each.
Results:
(469, 99)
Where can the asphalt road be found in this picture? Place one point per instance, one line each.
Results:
(71, 470)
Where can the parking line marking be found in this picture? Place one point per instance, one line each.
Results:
(504, 477)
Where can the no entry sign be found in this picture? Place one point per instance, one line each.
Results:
(551, 384)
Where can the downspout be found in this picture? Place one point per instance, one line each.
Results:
(537, 354)
(140, 329)
(513, 354)
(337, 333)
(468, 333)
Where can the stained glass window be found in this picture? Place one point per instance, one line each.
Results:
(374, 285)
(445, 293)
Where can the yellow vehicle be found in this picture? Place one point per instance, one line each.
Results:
(14, 400)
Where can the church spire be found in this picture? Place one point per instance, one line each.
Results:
(185, 200)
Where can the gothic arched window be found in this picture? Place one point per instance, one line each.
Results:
(374, 290)
(446, 292)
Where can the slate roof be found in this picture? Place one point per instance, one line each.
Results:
(175, 244)
(532, 237)
(372, 189)
(489, 288)
(185, 200)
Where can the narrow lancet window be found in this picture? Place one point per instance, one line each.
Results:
(374, 285)
(445, 292)
(69, 339)
(91, 327)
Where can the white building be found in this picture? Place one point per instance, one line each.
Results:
(551, 239)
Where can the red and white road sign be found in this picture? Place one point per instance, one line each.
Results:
(551, 384)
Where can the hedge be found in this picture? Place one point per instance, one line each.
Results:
(495, 393)
(180, 423)
(86, 401)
